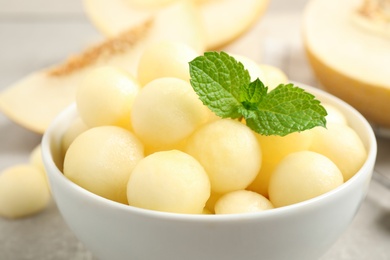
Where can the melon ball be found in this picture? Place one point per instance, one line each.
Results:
(242, 201)
(170, 181)
(342, 145)
(101, 160)
(334, 115)
(301, 176)
(206, 212)
(213, 116)
(274, 76)
(105, 96)
(23, 191)
(229, 152)
(75, 129)
(165, 59)
(35, 158)
(253, 68)
(210, 204)
(275, 147)
(261, 182)
(165, 112)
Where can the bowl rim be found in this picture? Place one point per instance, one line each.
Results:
(367, 168)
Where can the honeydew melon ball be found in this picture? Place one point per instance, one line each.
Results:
(342, 145)
(334, 115)
(276, 147)
(105, 96)
(23, 191)
(165, 112)
(254, 69)
(75, 129)
(165, 59)
(261, 182)
(170, 181)
(101, 160)
(206, 212)
(242, 201)
(301, 176)
(213, 116)
(35, 158)
(229, 152)
(273, 76)
(210, 204)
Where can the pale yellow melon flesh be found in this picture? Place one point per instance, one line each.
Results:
(35, 100)
(226, 20)
(349, 60)
(179, 22)
(149, 3)
(115, 17)
(222, 20)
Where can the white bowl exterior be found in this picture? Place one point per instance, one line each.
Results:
(302, 231)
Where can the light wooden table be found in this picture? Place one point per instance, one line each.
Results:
(37, 33)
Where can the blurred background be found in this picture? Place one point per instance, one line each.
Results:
(36, 34)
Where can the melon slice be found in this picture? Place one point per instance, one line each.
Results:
(178, 21)
(349, 50)
(35, 100)
(222, 20)
(226, 20)
(150, 3)
(115, 18)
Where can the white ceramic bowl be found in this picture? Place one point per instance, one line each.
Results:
(302, 231)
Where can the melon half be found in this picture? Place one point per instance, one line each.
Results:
(348, 46)
(35, 100)
(222, 20)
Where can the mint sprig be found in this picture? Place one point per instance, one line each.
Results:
(223, 84)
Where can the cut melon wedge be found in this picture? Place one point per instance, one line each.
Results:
(222, 20)
(350, 60)
(226, 20)
(150, 3)
(115, 18)
(178, 21)
(35, 100)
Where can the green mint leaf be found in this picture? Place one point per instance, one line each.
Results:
(285, 110)
(217, 78)
(252, 94)
(223, 84)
